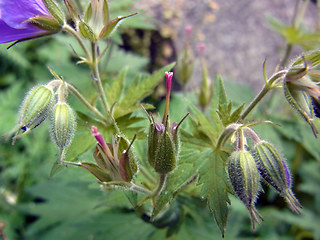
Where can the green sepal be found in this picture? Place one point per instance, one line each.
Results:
(165, 157)
(46, 23)
(72, 9)
(55, 11)
(301, 102)
(101, 174)
(127, 166)
(86, 31)
(152, 143)
(111, 26)
(127, 162)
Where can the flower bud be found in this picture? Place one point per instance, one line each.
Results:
(244, 177)
(96, 24)
(127, 164)
(165, 156)
(63, 126)
(116, 161)
(206, 88)
(35, 108)
(155, 131)
(274, 170)
(301, 91)
(185, 64)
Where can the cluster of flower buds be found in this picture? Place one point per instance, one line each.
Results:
(247, 164)
(115, 161)
(302, 91)
(41, 102)
(96, 23)
(163, 138)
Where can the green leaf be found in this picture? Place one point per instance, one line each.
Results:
(82, 142)
(213, 179)
(123, 111)
(137, 91)
(212, 130)
(114, 91)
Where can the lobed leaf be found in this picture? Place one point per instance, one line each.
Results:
(213, 179)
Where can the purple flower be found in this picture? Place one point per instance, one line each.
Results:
(25, 19)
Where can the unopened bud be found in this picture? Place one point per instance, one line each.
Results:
(127, 164)
(273, 168)
(244, 177)
(206, 88)
(35, 108)
(63, 126)
(165, 155)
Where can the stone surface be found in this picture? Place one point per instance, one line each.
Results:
(235, 33)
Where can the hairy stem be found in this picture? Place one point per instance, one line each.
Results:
(67, 28)
(254, 102)
(161, 184)
(85, 102)
(271, 83)
(94, 65)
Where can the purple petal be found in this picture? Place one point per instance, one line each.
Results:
(9, 34)
(288, 177)
(15, 12)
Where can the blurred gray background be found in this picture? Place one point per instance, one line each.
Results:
(235, 33)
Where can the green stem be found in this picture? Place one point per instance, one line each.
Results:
(146, 174)
(255, 101)
(161, 185)
(128, 186)
(271, 83)
(286, 55)
(139, 189)
(67, 28)
(83, 100)
(96, 74)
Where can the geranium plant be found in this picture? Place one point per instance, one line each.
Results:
(211, 153)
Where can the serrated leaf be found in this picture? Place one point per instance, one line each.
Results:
(236, 114)
(213, 178)
(121, 111)
(212, 130)
(114, 91)
(142, 89)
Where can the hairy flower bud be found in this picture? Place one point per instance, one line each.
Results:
(244, 177)
(302, 92)
(274, 170)
(165, 156)
(63, 126)
(35, 108)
